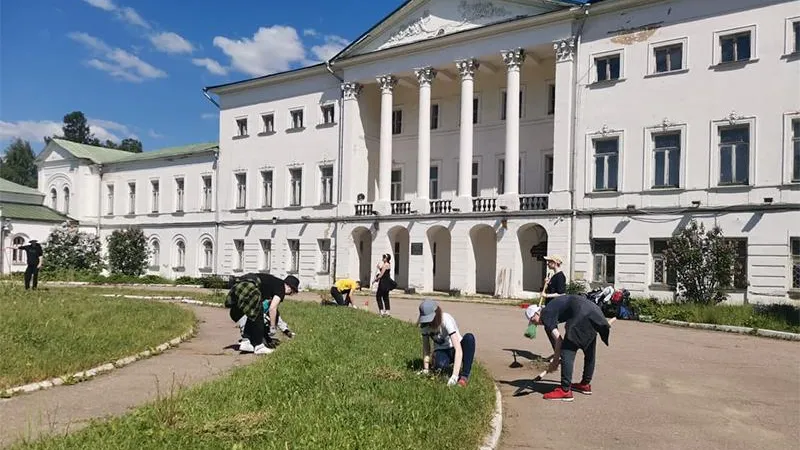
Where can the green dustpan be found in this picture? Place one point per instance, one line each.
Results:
(530, 333)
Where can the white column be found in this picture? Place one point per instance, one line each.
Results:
(466, 69)
(560, 197)
(513, 60)
(387, 84)
(353, 166)
(425, 77)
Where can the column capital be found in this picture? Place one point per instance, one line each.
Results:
(513, 58)
(565, 49)
(467, 67)
(425, 75)
(387, 83)
(351, 90)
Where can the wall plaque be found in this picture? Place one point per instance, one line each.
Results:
(416, 248)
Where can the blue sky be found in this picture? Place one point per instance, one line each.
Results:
(136, 67)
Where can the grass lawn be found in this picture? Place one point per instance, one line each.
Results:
(346, 381)
(59, 331)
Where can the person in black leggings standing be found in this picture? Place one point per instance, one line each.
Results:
(385, 285)
(34, 256)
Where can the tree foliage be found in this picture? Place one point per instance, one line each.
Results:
(18, 164)
(69, 249)
(703, 262)
(130, 145)
(76, 128)
(128, 252)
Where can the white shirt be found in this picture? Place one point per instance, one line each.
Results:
(441, 337)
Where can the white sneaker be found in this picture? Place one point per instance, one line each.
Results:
(262, 349)
(246, 346)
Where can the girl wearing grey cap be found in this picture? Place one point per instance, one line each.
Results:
(450, 347)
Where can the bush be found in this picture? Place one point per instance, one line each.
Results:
(128, 252)
(67, 249)
(576, 287)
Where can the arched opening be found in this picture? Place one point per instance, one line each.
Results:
(362, 244)
(399, 238)
(180, 254)
(54, 198)
(484, 250)
(533, 248)
(66, 200)
(439, 242)
(155, 254)
(208, 254)
(17, 254)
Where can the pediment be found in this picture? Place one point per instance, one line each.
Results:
(430, 19)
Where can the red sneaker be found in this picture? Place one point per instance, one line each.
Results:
(559, 394)
(583, 388)
(462, 382)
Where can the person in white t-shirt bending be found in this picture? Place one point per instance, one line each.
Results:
(449, 346)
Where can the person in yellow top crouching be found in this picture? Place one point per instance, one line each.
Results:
(342, 290)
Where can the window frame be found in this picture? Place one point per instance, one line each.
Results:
(717, 45)
(322, 188)
(392, 184)
(547, 185)
(652, 48)
(265, 263)
(292, 124)
(794, 263)
(323, 120)
(604, 256)
(207, 201)
(180, 255)
(649, 163)
(436, 125)
(293, 261)
(619, 52)
(292, 201)
(239, 121)
(264, 129)
(110, 199)
(788, 148)
(475, 178)
(155, 254)
(18, 256)
(745, 269)
(792, 39)
(550, 96)
(208, 259)
(240, 190)
(716, 127)
(239, 258)
(669, 282)
(324, 263)
(503, 104)
(399, 111)
(435, 194)
(155, 196)
(180, 194)
(66, 191)
(131, 198)
(267, 194)
(590, 162)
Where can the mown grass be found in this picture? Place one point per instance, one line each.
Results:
(347, 381)
(54, 332)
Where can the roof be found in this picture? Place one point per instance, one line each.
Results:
(287, 73)
(38, 213)
(102, 155)
(14, 188)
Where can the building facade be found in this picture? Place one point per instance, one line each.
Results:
(627, 119)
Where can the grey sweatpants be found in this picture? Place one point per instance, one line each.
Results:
(568, 352)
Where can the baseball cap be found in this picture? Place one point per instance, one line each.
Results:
(427, 311)
(532, 311)
(555, 258)
(293, 283)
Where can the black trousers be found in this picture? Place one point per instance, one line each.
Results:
(31, 275)
(382, 296)
(338, 296)
(568, 352)
(254, 330)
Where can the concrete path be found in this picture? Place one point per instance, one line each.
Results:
(655, 387)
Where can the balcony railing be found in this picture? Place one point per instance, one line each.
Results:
(441, 206)
(401, 207)
(364, 209)
(484, 204)
(534, 202)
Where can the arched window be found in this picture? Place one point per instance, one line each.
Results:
(53, 198)
(18, 255)
(66, 200)
(208, 254)
(155, 257)
(181, 260)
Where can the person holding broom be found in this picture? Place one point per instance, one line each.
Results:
(555, 284)
(584, 321)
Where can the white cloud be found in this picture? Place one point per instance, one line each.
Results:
(126, 13)
(33, 130)
(209, 116)
(310, 32)
(155, 135)
(169, 42)
(106, 5)
(211, 65)
(117, 62)
(270, 50)
(333, 45)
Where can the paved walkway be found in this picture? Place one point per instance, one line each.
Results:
(655, 387)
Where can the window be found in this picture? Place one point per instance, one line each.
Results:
(155, 193)
(475, 178)
(294, 256)
(435, 116)
(268, 122)
(208, 254)
(18, 255)
(662, 276)
(606, 158)
(666, 159)
(604, 256)
(669, 58)
(476, 109)
(504, 104)
(735, 47)
(740, 264)
(397, 121)
(796, 35)
(434, 182)
(297, 119)
(179, 194)
(608, 67)
(796, 150)
(110, 199)
(66, 200)
(238, 247)
(396, 265)
(241, 190)
(155, 256)
(266, 189)
(324, 255)
(433, 255)
(551, 99)
(296, 187)
(326, 185)
(795, 244)
(266, 255)
(54, 198)
(327, 114)
(548, 173)
(131, 198)
(241, 127)
(734, 155)
(207, 200)
(397, 185)
(180, 261)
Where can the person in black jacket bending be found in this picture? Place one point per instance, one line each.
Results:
(584, 320)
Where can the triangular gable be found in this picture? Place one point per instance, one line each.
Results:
(418, 20)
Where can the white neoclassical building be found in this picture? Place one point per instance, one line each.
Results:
(627, 119)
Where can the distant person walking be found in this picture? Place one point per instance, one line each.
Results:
(34, 255)
(385, 285)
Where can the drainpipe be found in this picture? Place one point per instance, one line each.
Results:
(573, 150)
(99, 197)
(329, 68)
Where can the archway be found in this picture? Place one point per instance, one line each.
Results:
(439, 243)
(533, 248)
(484, 250)
(398, 239)
(362, 245)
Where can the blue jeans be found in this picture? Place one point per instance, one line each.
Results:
(445, 358)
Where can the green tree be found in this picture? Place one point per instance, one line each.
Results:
(128, 252)
(69, 249)
(130, 145)
(76, 129)
(703, 262)
(18, 164)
